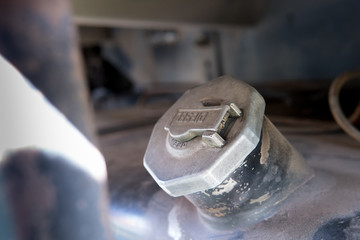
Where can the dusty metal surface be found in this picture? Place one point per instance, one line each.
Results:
(229, 161)
(326, 206)
(130, 186)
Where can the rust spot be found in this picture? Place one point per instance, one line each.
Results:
(218, 211)
(265, 146)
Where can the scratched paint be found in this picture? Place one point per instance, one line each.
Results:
(225, 187)
(261, 199)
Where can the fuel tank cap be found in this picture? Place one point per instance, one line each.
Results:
(205, 136)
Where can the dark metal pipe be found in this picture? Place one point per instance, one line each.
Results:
(38, 37)
(53, 181)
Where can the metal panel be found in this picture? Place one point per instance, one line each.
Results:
(161, 12)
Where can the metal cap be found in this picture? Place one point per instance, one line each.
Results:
(205, 136)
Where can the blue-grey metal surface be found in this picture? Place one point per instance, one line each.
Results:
(331, 198)
(297, 39)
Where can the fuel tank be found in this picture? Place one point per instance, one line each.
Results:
(221, 170)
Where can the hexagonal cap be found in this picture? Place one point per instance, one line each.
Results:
(179, 156)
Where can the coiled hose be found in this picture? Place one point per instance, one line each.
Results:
(335, 108)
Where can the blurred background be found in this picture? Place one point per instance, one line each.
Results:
(130, 60)
(113, 67)
(143, 54)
